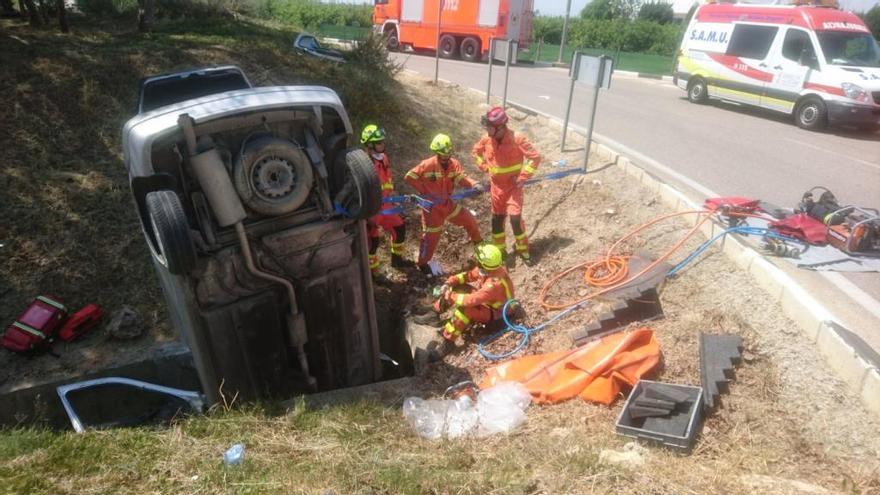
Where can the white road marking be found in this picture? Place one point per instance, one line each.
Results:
(854, 292)
(544, 97)
(818, 148)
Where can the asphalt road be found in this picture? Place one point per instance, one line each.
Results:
(729, 149)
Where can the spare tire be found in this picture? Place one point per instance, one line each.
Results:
(272, 176)
(361, 192)
(172, 244)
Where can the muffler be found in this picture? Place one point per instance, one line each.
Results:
(224, 201)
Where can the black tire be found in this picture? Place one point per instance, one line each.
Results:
(361, 192)
(811, 114)
(448, 46)
(273, 176)
(392, 42)
(470, 50)
(698, 90)
(173, 246)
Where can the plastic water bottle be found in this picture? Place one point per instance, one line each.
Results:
(234, 456)
(560, 163)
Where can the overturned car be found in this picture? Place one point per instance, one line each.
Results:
(239, 193)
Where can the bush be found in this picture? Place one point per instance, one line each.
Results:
(165, 9)
(632, 36)
(310, 15)
(548, 29)
(872, 19)
(660, 12)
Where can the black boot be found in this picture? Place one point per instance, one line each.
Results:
(398, 261)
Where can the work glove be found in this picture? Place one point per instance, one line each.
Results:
(450, 296)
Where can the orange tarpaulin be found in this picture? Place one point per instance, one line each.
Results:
(595, 372)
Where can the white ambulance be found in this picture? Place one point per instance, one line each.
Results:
(819, 64)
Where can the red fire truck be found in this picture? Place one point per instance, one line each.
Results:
(466, 26)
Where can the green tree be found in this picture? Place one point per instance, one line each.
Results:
(872, 19)
(548, 29)
(656, 11)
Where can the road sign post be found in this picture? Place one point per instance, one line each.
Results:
(509, 49)
(437, 55)
(596, 73)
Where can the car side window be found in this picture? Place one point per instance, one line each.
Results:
(749, 41)
(796, 44)
(308, 43)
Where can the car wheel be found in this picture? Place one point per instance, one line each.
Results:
(448, 46)
(470, 49)
(392, 42)
(273, 176)
(698, 90)
(170, 231)
(811, 114)
(361, 194)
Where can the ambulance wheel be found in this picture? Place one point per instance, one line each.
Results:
(170, 231)
(698, 91)
(811, 114)
(361, 194)
(470, 49)
(448, 46)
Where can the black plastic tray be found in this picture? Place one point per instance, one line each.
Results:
(679, 430)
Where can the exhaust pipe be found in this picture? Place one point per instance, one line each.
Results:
(214, 179)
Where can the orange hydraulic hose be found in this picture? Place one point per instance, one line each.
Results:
(615, 271)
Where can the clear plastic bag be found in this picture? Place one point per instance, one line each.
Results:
(502, 408)
(499, 409)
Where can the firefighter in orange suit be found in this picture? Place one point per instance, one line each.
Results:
(492, 288)
(510, 159)
(435, 179)
(373, 139)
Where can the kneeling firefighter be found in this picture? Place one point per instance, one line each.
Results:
(478, 295)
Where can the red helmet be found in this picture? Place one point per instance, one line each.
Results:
(496, 116)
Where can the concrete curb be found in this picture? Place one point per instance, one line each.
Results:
(626, 73)
(815, 320)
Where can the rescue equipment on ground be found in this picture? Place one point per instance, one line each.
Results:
(852, 229)
(596, 372)
(37, 326)
(81, 322)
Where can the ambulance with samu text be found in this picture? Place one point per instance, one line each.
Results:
(819, 64)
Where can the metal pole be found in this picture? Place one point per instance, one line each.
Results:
(437, 57)
(564, 31)
(599, 80)
(511, 47)
(491, 59)
(575, 65)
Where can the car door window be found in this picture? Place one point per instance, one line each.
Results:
(308, 43)
(749, 41)
(797, 44)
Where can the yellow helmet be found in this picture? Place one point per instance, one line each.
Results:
(489, 256)
(372, 134)
(442, 145)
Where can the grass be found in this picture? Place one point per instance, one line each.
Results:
(344, 32)
(637, 62)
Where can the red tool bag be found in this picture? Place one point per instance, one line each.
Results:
(81, 322)
(36, 326)
(801, 226)
(734, 203)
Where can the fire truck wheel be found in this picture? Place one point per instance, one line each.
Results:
(361, 194)
(170, 231)
(448, 46)
(698, 91)
(470, 49)
(811, 114)
(272, 176)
